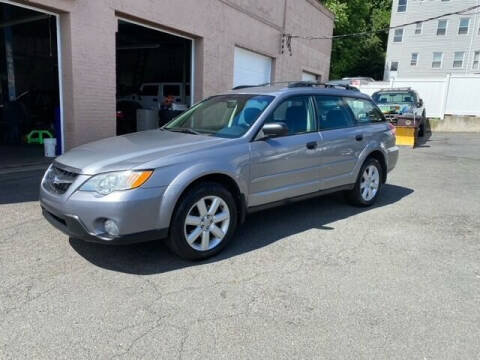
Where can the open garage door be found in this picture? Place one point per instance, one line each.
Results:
(154, 73)
(29, 85)
(251, 68)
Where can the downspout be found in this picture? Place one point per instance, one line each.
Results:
(474, 32)
(282, 43)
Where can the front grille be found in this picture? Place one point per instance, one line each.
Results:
(58, 180)
(392, 118)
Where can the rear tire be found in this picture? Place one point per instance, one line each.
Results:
(203, 222)
(368, 185)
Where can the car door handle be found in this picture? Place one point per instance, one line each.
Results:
(312, 145)
(359, 137)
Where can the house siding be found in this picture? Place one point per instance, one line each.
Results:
(428, 42)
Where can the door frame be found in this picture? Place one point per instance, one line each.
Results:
(192, 52)
(59, 61)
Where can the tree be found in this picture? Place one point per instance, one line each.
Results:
(359, 56)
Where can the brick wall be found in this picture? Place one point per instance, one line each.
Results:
(88, 47)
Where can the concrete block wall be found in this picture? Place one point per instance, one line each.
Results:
(88, 30)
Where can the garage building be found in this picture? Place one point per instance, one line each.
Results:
(79, 69)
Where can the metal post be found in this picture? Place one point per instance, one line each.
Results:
(445, 96)
(8, 36)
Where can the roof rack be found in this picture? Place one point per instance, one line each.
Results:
(300, 84)
(240, 87)
(344, 86)
(327, 85)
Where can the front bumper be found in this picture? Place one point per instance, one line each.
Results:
(82, 215)
(72, 226)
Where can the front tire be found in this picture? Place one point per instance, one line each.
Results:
(368, 185)
(421, 130)
(204, 222)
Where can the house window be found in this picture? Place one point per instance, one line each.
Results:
(418, 28)
(442, 27)
(398, 35)
(464, 25)
(394, 66)
(437, 60)
(402, 5)
(458, 59)
(414, 60)
(476, 60)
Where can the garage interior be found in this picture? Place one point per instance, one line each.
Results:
(29, 86)
(151, 66)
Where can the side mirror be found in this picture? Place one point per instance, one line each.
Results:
(420, 103)
(276, 129)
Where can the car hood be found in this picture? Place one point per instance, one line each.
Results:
(132, 150)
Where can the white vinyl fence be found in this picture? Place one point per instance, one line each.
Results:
(450, 95)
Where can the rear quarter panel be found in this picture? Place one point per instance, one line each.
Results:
(378, 138)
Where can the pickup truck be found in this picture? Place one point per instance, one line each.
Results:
(400, 104)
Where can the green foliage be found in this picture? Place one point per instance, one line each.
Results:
(359, 56)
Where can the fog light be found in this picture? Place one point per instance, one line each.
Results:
(111, 228)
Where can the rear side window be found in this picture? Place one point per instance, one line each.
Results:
(149, 90)
(171, 90)
(332, 113)
(364, 111)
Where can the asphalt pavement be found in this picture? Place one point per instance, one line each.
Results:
(317, 279)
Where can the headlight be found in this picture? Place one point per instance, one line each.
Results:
(46, 173)
(105, 184)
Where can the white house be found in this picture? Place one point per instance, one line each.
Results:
(449, 45)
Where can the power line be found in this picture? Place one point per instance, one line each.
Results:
(287, 38)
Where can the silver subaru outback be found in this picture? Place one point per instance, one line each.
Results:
(193, 181)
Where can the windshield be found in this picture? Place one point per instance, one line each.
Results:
(394, 98)
(228, 116)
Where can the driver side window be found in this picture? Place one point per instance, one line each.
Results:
(297, 113)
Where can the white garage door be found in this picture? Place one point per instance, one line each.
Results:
(306, 76)
(250, 68)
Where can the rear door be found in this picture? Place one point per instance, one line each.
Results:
(369, 119)
(287, 166)
(342, 141)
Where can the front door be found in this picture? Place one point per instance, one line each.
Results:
(287, 166)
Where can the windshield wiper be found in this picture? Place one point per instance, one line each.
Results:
(184, 130)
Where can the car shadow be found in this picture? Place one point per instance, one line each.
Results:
(257, 232)
(422, 141)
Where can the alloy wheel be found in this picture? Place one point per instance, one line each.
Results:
(370, 183)
(207, 223)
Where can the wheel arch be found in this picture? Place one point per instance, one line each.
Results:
(229, 183)
(179, 188)
(380, 157)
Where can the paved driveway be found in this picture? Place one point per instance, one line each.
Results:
(317, 279)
